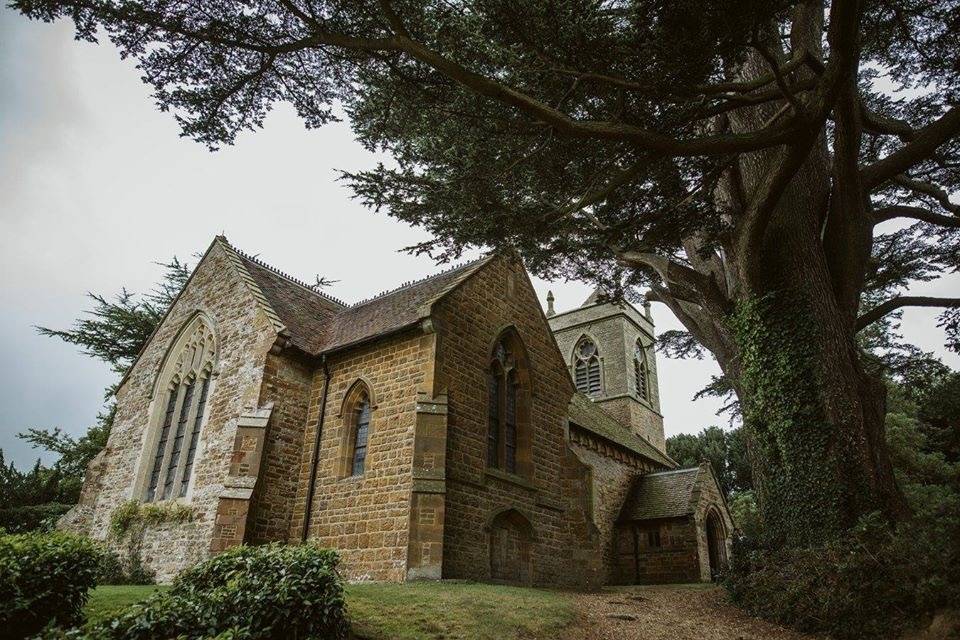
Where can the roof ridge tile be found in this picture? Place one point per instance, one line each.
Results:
(257, 261)
(410, 283)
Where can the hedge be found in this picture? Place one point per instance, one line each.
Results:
(35, 517)
(44, 578)
(247, 593)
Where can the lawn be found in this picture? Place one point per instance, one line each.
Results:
(428, 610)
(108, 600)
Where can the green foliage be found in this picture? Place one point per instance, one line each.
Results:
(34, 499)
(877, 580)
(246, 593)
(44, 578)
(725, 450)
(34, 517)
(74, 454)
(746, 514)
(874, 583)
(40, 485)
(127, 569)
(793, 447)
(133, 515)
(116, 329)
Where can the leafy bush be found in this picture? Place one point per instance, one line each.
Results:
(746, 513)
(246, 593)
(875, 583)
(44, 577)
(128, 569)
(36, 517)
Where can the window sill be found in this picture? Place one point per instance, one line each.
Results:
(499, 474)
(351, 479)
(179, 500)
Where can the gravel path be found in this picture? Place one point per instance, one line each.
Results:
(676, 612)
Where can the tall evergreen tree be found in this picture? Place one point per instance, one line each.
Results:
(114, 330)
(775, 172)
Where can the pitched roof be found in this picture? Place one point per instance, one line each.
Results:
(667, 494)
(590, 416)
(394, 310)
(317, 323)
(303, 311)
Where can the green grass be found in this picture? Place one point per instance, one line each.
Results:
(435, 610)
(415, 610)
(108, 600)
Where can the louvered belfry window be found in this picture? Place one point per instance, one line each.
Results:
(640, 371)
(586, 368)
(186, 375)
(505, 402)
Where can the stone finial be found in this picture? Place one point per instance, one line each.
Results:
(646, 310)
(550, 299)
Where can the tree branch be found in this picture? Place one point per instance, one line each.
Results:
(922, 146)
(899, 302)
(928, 189)
(880, 124)
(917, 213)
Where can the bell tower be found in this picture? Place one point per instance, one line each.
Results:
(609, 350)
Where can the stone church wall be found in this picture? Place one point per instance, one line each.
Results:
(365, 517)
(244, 337)
(708, 498)
(478, 499)
(675, 560)
(286, 384)
(610, 483)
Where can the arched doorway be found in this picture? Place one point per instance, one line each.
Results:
(716, 543)
(511, 537)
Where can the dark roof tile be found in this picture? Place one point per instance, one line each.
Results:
(667, 494)
(588, 415)
(318, 323)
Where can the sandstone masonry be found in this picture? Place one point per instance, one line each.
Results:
(430, 432)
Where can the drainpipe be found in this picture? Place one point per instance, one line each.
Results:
(315, 460)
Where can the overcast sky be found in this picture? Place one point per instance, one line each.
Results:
(96, 185)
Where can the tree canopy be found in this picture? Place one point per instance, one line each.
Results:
(777, 173)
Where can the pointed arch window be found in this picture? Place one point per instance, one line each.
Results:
(508, 437)
(357, 416)
(361, 432)
(640, 371)
(586, 367)
(186, 376)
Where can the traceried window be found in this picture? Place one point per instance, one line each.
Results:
(185, 377)
(640, 371)
(507, 398)
(586, 367)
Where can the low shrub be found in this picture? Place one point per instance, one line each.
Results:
(247, 593)
(35, 517)
(127, 569)
(44, 578)
(877, 582)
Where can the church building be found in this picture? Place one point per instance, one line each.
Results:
(448, 428)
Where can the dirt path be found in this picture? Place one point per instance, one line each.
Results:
(676, 612)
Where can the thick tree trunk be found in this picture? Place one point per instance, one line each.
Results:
(814, 419)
